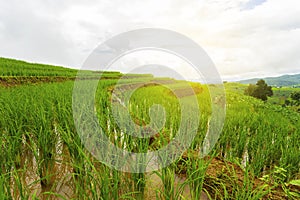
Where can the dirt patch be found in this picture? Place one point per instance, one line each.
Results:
(11, 81)
(24, 80)
(222, 175)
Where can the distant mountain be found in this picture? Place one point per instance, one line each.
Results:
(285, 80)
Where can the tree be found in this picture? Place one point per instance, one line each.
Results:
(260, 90)
(295, 96)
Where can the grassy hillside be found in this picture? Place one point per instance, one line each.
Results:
(16, 72)
(256, 157)
(17, 68)
(12, 67)
(286, 80)
(280, 94)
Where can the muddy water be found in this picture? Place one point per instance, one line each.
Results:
(63, 182)
(154, 185)
(30, 180)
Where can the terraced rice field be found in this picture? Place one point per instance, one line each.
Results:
(43, 157)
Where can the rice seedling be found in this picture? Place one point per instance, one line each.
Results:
(39, 119)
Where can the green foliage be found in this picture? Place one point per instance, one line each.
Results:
(293, 101)
(37, 126)
(260, 91)
(23, 115)
(296, 96)
(11, 67)
(16, 68)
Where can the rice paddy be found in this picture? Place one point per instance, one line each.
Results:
(43, 157)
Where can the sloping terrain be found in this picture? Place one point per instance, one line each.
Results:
(256, 157)
(285, 80)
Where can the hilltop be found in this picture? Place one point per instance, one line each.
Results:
(285, 80)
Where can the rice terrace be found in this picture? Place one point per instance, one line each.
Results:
(42, 156)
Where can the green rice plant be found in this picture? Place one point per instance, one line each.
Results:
(3, 189)
(167, 176)
(291, 193)
(230, 185)
(39, 117)
(196, 169)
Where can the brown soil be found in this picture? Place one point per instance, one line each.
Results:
(11, 81)
(220, 173)
(7, 81)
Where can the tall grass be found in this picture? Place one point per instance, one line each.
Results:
(38, 118)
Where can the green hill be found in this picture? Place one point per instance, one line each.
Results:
(18, 68)
(285, 80)
(17, 72)
(12, 67)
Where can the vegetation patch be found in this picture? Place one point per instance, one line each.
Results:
(256, 157)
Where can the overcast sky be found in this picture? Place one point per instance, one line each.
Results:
(244, 38)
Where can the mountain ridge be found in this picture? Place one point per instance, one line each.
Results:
(279, 81)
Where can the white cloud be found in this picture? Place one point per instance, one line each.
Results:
(243, 37)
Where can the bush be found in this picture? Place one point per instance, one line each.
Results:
(260, 90)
